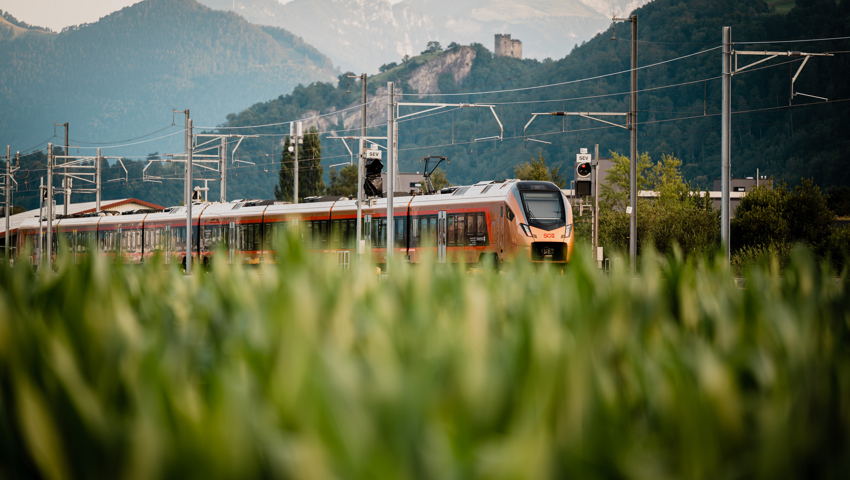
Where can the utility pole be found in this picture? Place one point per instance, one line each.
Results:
(189, 196)
(295, 131)
(49, 207)
(360, 168)
(633, 186)
(596, 203)
(97, 182)
(8, 190)
(65, 179)
(730, 68)
(223, 169)
(391, 140)
(726, 141)
(40, 249)
(633, 147)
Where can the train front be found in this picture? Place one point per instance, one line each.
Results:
(544, 226)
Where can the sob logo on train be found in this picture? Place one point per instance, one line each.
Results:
(548, 235)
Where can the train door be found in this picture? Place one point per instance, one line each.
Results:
(231, 240)
(367, 233)
(441, 236)
(117, 245)
(167, 242)
(501, 235)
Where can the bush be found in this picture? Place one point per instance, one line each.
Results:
(768, 218)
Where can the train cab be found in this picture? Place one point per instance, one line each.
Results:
(541, 222)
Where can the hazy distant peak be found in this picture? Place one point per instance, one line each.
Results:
(612, 8)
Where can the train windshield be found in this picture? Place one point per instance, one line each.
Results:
(544, 208)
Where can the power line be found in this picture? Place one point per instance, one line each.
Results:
(802, 40)
(535, 87)
(127, 140)
(337, 112)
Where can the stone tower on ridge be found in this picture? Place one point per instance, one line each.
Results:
(505, 47)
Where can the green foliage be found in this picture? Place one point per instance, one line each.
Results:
(537, 170)
(432, 47)
(838, 199)
(678, 217)
(838, 248)
(305, 370)
(344, 183)
(780, 217)
(310, 171)
(387, 66)
(439, 179)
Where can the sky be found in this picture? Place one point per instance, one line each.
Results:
(58, 14)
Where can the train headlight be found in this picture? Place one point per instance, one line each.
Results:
(526, 229)
(569, 230)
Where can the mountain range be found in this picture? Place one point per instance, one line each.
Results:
(121, 77)
(361, 35)
(679, 101)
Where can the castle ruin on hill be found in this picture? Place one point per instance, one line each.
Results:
(505, 47)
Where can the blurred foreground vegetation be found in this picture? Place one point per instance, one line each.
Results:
(303, 370)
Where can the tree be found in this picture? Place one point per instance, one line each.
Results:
(387, 66)
(760, 219)
(439, 179)
(614, 193)
(343, 80)
(838, 199)
(676, 216)
(781, 217)
(311, 180)
(310, 171)
(433, 46)
(344, 183)
(537, 170)
(452, 46)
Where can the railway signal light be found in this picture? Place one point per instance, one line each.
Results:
(583, 181)
(583, 170)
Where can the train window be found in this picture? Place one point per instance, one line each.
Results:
(398, 237)
(461, 230)
(345, 236)
(335, 231)
(451, 227)
(424, 231)
(414, 232)
(510, 214)
(482, 225)
(323, 233)
(379, 237)
(432, 230)
(470, 224)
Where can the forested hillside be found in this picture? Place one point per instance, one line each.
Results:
(679, 104)
(121, 76)
(788, 142)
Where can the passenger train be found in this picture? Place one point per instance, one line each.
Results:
(494, 220)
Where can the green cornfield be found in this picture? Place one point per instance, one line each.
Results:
(305, 370)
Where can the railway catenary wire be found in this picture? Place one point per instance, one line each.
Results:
(378, 99)
(31, 193)
(177, 176)
(306, 168)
